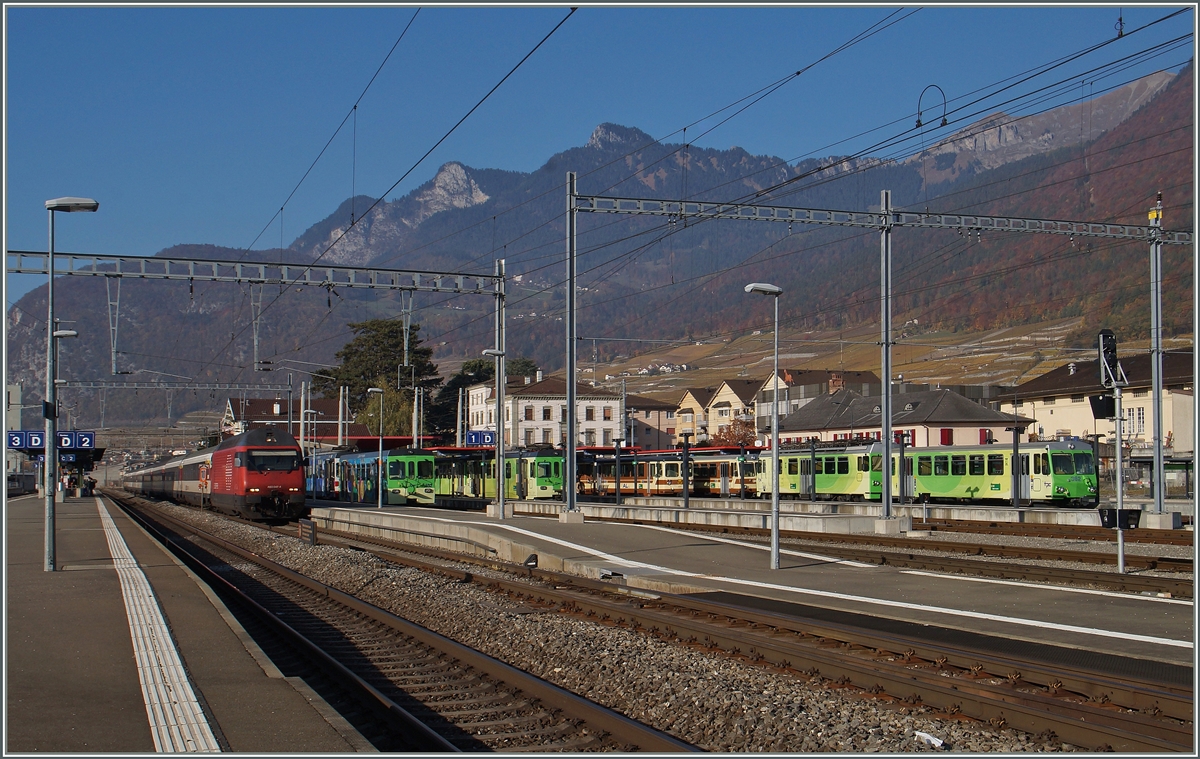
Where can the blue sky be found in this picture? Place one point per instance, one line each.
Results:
(194, 124)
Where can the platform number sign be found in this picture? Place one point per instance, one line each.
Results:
(16, 439)
(35, 439)
(66, 439)
(85, 439)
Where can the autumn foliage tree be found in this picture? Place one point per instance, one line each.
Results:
(737, 432)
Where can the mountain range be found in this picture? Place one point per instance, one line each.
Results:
(648, 278)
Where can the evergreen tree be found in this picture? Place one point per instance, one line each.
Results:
(371, 359)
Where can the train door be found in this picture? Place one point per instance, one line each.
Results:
(1026, 478)
(1035, 487)
(723, 473)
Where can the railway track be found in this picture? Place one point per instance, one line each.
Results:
(1065, 531)
(432, 693)
(842, 545)
(1056, 693)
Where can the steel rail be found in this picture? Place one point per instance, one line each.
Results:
(620, 727)
(841, 651)
(1071, 531)
(427, 738)
(1021, 552)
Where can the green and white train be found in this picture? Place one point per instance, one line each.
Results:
(1052, 473)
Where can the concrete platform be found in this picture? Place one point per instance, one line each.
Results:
(73, 680)
(750, 514)
(657, 557)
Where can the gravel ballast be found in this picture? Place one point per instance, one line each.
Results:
(716, 703)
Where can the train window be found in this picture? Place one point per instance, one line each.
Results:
(820, 466)
(558, 469)
(672, 469)
(412, 468)
(958, 465)
(1063, 463)
(425, 468)
(877, 463)
(793, 466)
(924, 466)
(508, 470)
(863, 465)
(274, 461)
(543, 469)
(976, 465)
(995, 463)
(1037, 464)
(1045, 457)
(843, 465)
(237, 460)
(395, 469)
(941, 466)
(1083, 464)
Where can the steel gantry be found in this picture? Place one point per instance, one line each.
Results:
(254, 273)
(886, 220)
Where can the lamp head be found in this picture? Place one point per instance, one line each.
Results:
(375, 390)
(493, 352)
(65, 333)
(764, 288)
(70, 205)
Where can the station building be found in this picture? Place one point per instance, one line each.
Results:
(535, 412)
(928, 418)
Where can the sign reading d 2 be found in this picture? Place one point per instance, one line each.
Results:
(66, 439)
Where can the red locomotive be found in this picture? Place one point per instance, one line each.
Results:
(257, 475)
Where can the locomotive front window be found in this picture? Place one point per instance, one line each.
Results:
(395, 469)
(1083, 464)
(543, 469)
(274, 461)
(1063, 463)
(425, 468)
(672, 470)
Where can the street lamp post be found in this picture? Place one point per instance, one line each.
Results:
(774, 291)
(50, 405)
(500, 380)
(379, 461)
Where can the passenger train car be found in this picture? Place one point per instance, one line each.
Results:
(354, 477)
(20, 483)
(712, 472)
(257, 475)
(1053, 473)
(471, 473)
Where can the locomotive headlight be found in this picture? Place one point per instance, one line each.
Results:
(875, 483)
(1060, 489)
(253, 490)
(293, 490)
(1091, 486)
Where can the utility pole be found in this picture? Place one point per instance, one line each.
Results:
(569, 476)
(1156, 352)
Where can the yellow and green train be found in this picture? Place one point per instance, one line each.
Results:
(1052, 473)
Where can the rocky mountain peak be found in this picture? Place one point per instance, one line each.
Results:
(614, 135)
(451, 188)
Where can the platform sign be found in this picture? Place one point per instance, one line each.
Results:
(85, 439)
(35, 439)
(16, 439)
(66, 458)
(481, 437)
(66, 439)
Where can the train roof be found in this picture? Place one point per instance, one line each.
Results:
(268, 435)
